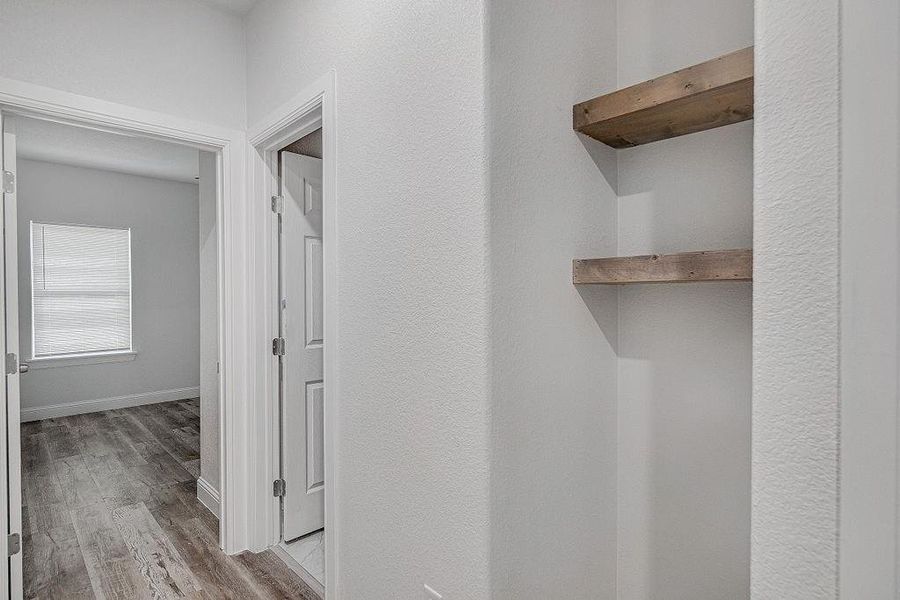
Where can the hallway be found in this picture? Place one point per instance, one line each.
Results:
(111, 511)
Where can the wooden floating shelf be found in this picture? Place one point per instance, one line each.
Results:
(712, 94)
(710, 265)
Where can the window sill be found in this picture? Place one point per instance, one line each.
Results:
(83, 359)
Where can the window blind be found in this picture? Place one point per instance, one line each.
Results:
(80, 289)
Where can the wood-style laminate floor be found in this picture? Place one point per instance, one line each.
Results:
(111, 511)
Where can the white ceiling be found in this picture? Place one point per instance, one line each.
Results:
(54, 142)
(238, 7)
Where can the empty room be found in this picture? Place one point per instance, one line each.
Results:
(460, 300)
(118, 342)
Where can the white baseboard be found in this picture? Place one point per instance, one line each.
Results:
(88, 406)
(208, 496)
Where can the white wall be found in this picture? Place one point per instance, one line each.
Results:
(165, 270)
(684, 350)
(413, 305)
(553, 368)
(826, 300)
(410, 174)
(209, 325)
(173, 56)
(796, 300)
(870, 298)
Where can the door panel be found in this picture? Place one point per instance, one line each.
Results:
(315, 461)
(303, 389)
(10, 333)
(314, 297)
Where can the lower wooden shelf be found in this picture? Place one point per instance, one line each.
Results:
(708, 265)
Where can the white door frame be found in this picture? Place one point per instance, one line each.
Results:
(10, 393)
(234, 243)
(306, 112)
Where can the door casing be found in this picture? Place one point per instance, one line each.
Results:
(236, 238)
(10, 339)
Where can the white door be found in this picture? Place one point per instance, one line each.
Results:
(303, 391)
(9, 330)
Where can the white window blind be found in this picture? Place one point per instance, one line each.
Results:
(80, 289)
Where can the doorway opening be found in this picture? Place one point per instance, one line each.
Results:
(293, 169)
(301, 394)
(118, 343)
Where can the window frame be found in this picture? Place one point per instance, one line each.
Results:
(94, 356)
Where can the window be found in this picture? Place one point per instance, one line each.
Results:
(80, 290)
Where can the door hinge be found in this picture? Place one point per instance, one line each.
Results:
(277, 204)
(9, 182)
(278, 346)
(278, 488)
(13, 544)
(12, 364)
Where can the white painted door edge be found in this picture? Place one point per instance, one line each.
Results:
(235, 243)
(312, 108)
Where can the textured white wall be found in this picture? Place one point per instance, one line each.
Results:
(684, 350)
(209, 340)
(553, 364)
(795, 300)
(413, 305)
(165, 270)
(174, 56)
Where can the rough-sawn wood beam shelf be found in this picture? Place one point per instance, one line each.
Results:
(710, 265)
(712, 94)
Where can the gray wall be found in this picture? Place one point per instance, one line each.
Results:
(684, 350)
(163, 216)
(209, 347)
(870, 299)
(553, 494)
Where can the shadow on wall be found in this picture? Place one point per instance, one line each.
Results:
(605, 158)
(598, 299)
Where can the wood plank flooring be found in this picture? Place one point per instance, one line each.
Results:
(111, 512)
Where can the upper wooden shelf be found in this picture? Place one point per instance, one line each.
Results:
(712, 94)
(710, 265)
